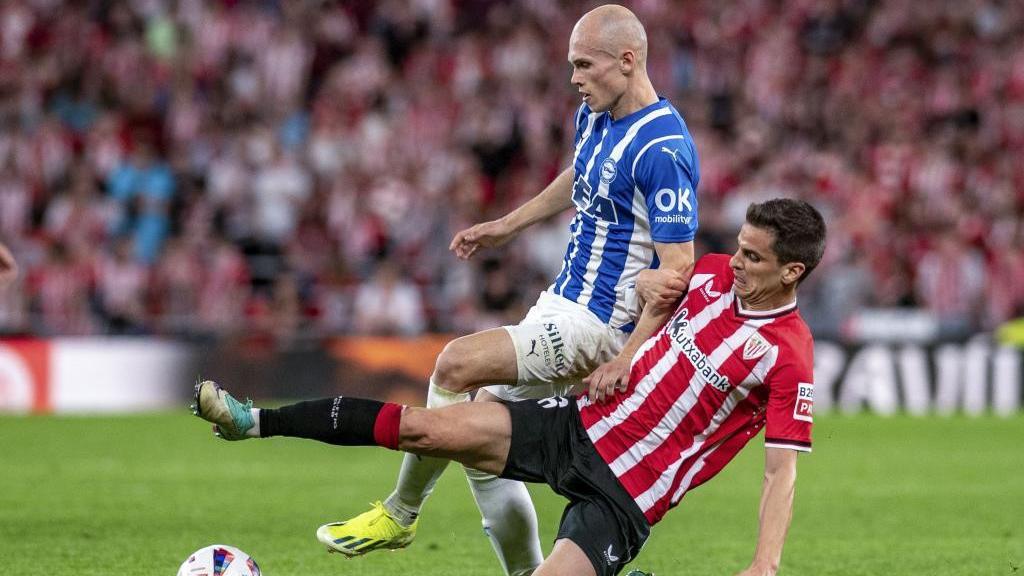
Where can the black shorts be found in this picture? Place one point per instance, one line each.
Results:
(550, 445)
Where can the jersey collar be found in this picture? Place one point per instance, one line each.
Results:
(630, 118)
(775, 313)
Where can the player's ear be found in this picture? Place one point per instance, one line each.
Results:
(792, 272)
(627, 62)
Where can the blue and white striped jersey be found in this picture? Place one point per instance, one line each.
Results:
(635, 184)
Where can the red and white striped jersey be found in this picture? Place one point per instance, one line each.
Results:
(701, 388)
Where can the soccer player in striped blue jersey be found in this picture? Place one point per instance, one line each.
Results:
(633, 182)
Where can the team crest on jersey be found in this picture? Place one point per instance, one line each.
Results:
(608, 170)
(755, 347)
(804, 409)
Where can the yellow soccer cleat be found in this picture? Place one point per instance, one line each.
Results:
(371, 530)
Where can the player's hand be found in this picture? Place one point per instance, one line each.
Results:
(660, 288)
(609, 378)
(8, 267)
(484, 235)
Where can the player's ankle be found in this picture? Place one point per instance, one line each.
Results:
(403, 513)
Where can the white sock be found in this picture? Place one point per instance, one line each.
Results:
(509, 520)
(254, 432)
(419, 474)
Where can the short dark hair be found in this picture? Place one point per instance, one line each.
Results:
(798, 227)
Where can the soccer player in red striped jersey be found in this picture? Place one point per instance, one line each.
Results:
(715, 374)
(734, 358)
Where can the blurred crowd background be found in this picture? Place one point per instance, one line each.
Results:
(297, 169)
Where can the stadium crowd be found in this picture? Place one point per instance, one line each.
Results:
(298, 168)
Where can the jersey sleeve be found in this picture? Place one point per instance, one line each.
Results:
(790, 408)
(666, 174)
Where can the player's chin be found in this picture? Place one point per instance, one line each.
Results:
(742, 290)
(596, 106)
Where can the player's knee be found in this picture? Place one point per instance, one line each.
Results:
(453, 368)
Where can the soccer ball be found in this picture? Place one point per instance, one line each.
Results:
(219, 560)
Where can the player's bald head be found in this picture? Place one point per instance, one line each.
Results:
(613, 29)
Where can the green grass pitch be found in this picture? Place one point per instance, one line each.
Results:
(135, 495)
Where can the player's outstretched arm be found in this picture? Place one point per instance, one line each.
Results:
(664, 289)
(8, 267)
(556, 197)
(776, 511)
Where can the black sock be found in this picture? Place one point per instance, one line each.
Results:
(341, 420)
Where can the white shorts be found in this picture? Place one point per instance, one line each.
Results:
(558, 343)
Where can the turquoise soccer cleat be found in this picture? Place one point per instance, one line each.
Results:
(231, 418)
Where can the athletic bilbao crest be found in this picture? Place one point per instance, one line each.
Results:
(804, 409)
(755, 347)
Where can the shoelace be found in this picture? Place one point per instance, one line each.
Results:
(381, 516)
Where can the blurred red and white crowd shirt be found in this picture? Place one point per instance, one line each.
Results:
(300, 161)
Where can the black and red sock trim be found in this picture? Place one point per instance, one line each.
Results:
(341, 420)
(385, 428)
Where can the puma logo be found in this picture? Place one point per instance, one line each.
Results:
(671, 153)
(533, 348)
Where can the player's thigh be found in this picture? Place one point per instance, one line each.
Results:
(477, 434)
(555, 347)
(468, 362)
(566, 558)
